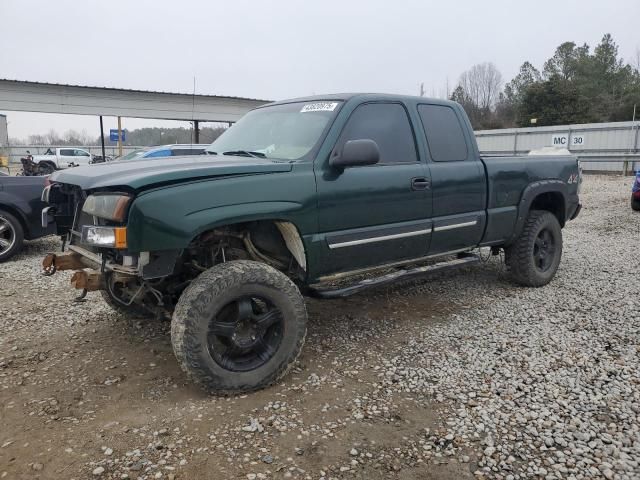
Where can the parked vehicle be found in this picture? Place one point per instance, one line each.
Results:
(31, 168)
(635, 193)
(20, 213)
(100, 159)
(134, 154)
(302, 194)
(175, 150)
(61, 158)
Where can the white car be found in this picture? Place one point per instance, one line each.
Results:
(61, 158)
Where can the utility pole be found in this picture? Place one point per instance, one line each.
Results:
(104, 157)
(422, 89)
(119, 137)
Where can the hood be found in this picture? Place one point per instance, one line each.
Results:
(145, 173)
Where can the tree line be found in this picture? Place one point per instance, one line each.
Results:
(138, 137)
(575, 85)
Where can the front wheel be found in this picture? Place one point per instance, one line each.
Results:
(534, 257)
(238, 327)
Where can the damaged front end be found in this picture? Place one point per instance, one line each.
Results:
(94, 230)
(94, 233)
(123, 284)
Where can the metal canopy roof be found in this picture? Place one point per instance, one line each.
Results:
(16, 95)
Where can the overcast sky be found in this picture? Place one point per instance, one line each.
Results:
(286, 48)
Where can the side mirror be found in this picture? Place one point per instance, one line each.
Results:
(357, 153)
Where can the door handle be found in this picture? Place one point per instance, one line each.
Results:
(420, 183)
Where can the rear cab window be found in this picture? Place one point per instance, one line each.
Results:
(444, 132)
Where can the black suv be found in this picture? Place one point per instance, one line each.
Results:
(20, 213)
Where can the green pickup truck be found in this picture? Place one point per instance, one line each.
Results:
(323, 196)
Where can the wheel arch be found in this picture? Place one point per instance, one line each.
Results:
(549, 195)
(290, 233)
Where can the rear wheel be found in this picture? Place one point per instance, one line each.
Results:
(11, 235)
(238, 327)
(45, 168)
(534, 257)
(635, 203)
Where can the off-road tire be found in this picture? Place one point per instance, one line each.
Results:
(635, 204)
(519, 256)
(18, 236)
(204, 298)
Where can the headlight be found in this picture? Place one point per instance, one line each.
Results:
(105, 236)
(108, 206)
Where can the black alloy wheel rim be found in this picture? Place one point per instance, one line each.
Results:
(245, 334)
(544, 250)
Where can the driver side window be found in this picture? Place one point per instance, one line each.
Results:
(388, 125)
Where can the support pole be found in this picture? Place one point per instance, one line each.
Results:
(104, 156)
(119, 137)
(196, 131)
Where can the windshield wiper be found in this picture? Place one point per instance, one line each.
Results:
(245, 153)
(209, 152)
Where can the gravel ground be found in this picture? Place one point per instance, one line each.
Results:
(462, 376)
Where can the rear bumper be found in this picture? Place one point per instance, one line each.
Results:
(576, 212)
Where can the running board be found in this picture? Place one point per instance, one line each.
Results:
(392, 277)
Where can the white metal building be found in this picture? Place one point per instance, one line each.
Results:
(600, 146)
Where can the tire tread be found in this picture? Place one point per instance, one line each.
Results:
(518, 255)
(189, 311)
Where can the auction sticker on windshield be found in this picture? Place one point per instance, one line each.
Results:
(319, 107)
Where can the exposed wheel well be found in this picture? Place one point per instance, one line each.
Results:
(552, 202)
(275, 242)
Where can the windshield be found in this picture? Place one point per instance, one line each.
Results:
(131, 155)
(283, 132)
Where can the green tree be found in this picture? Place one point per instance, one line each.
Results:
(551, 102)
(507, 109)
(578, 87)
(566, 61)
